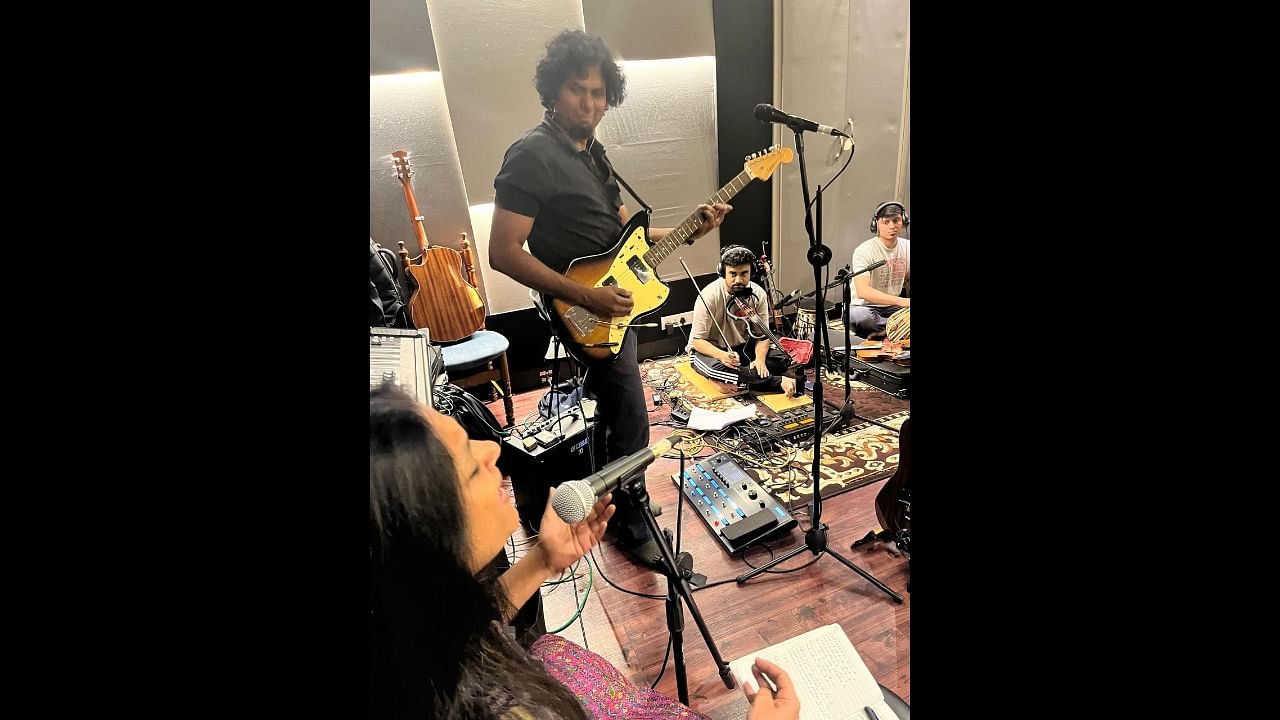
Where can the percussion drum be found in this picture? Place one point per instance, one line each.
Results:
(806, 319)
(898, 327)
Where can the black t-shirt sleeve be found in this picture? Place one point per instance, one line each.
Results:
(523, 182)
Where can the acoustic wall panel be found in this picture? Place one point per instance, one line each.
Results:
(409, 112)
(653, 29)
(662, 140)
(400, 38)
(840, 60)
(488, 52)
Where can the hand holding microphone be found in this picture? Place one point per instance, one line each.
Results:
(561, 544)
(575, 499)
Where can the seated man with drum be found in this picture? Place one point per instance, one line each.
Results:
(730, 341)
(877, 295)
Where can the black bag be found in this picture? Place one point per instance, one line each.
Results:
(389, 290)
(561, 397)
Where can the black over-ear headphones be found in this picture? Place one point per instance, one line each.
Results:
(755, 263)
(876, 215)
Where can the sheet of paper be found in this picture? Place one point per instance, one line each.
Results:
(831, 680)
(700, 419)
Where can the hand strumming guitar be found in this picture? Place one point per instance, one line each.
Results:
(608, 301)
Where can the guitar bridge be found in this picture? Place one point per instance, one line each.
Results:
(580, 320)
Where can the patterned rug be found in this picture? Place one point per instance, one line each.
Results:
(851, 458)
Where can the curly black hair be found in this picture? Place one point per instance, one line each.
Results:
(573, 52)
(736, 255)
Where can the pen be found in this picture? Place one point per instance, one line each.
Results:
(871, 713)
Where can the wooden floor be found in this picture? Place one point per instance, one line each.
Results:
(742, 618)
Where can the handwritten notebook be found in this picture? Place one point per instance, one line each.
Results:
(831, 680)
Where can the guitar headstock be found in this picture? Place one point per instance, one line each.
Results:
(403, 168)
(761, 165)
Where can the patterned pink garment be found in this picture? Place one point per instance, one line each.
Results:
(602, 690)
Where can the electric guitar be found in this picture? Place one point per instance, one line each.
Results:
(632, 264)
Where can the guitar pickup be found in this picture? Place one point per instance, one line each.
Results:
(638, 268)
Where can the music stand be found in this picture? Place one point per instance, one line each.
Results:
(819, 255)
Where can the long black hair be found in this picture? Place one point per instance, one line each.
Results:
(571, 54)
(437, 645)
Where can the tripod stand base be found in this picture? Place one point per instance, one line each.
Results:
(815, 541)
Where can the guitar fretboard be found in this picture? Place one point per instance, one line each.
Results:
(681, 234)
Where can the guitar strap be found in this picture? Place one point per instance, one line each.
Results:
(597, 152)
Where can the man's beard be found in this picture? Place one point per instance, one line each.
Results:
(579, 132)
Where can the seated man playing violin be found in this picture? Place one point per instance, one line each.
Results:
(730, 341)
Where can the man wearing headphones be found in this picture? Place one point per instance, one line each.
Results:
(879, 293)
(721, 341)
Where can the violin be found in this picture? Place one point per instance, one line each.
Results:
(743, 307)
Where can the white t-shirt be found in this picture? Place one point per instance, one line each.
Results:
(887, 278)
(717, 298)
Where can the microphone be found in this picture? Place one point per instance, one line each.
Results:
(770, 114)
(574, 499)
(790, 298)
(869, 268)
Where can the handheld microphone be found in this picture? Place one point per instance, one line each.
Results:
(770, 114)
(869, 268)
(574, 499)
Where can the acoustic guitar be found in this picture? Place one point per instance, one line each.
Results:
(444, 301)
(632, 264)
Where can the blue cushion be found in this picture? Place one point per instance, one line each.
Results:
(480, 348)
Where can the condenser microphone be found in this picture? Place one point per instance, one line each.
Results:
(770, 114)
(574, 499)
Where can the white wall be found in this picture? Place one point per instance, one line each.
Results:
(841, 59)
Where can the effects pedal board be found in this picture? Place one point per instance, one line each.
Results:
(790, 428)
(735, 509)
(794, 428)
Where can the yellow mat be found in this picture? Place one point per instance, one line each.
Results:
(779, 401)
(710, 388)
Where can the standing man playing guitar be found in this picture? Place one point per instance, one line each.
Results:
(745, 331)
(556, 190)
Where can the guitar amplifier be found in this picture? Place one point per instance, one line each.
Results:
(548, 453)
(406, 358)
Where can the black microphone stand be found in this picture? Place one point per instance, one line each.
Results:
(819, 255)
(678, 572)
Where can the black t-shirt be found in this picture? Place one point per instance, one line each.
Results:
(569, 193)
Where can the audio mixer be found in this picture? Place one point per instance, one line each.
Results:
(734, 508)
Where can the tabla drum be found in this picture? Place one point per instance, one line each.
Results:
(806, 318)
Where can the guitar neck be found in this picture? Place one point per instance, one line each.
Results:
(415, 217)
(681, 234)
